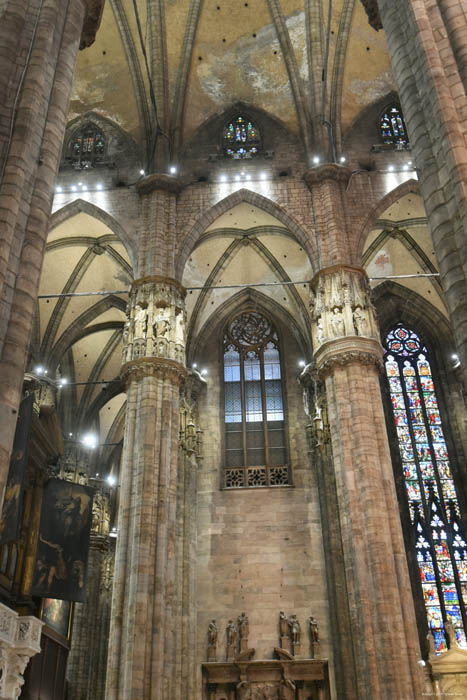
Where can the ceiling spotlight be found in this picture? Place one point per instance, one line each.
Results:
(455, 357)
(99, 186)
(39, 370)
(141, 172)
(237, 178)
(405, 167)
(248, 177)
(173, 170)
(89, 440)
(316, 160)
(204, 371)
(243, 173)
(80, 184)
(73, 188)
(343, 159)
(223, 178)
(194, 365)
(391, 168)
(70, 434)
(302, 363)
(84, 188)
(63, 381)
(59, 189)
(263, 176)
(409, 163)
(111, 480)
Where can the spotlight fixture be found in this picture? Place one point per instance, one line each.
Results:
(223, 178)
(90, 440)
(63, 381)
(141, 172)
(194, 365)
(80, 184)
(84, 188)
(455, 356)
(73, 188)
(59, 189)
(391, 168)
(173, 170)
(99, 186)
(70, 434)
(316, 160)
(111, 480)
(237, 178)
(405, 167)
(343, 159)
(263, 176)
(204, 371)
(302, 363)
(39, 370)
(248, 177)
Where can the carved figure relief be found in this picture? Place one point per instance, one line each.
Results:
(337, 323)
(360, 321)
(141, 321)
(295, 630)
(314, 629)
(283, 624)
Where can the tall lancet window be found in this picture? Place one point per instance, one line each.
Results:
(441, 549)
(255, 442)
(392, 126)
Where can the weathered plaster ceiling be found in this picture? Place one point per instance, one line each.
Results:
(401, 244)
(205, 55)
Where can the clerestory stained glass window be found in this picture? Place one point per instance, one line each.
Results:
(87, 147)
(441, 549)
(255, 442)
(392, 126)
(241, 138)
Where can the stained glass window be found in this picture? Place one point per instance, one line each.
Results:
(441, 549)
(392, 126)
(87, 147)
(241, 138)
(255, 449)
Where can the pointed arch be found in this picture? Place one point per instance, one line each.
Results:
(230, 306)
(408, 187)
(81, 206)
(243, 195)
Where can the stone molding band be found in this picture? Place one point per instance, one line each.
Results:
(154, 367)
(158, 181)
(157, 279)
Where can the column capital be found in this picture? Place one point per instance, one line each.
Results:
(92, 21)
(154, 367)
(327, 171)
(157, 281)
(336, 269)
(346, 351)
(158, 181)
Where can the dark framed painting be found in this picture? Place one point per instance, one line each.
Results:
(57, 615)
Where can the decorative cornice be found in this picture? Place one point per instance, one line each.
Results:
(327, 171)
(158, 279)
(348, 350)
(158, 181)
(92, 21)
(333, 269)
(372, 10)
(152, 367)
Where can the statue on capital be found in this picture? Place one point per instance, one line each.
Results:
(337, 322)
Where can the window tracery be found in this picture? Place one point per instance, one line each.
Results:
(255, 449)
(87, 147)
(392, 126)
(241, 138)
(441, 549)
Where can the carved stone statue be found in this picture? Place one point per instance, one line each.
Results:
(320, 331)
(314, 629)
(161, 326)
(360, 321)
(141, 321)
(337, 323)
(283, 624)
(231, 636)
(295, 630)
(243, 626)
(213, 631)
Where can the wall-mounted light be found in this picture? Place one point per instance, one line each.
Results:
(90, 440)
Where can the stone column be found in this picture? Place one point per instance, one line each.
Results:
(426, 42)
(382, 634)
(38, 48)
(19, 640)
(142, 637)
(90, 634)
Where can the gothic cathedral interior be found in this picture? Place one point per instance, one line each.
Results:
(233, 349)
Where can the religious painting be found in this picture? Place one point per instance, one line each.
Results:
(57, 615)
(11, 514)
(63, 541)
